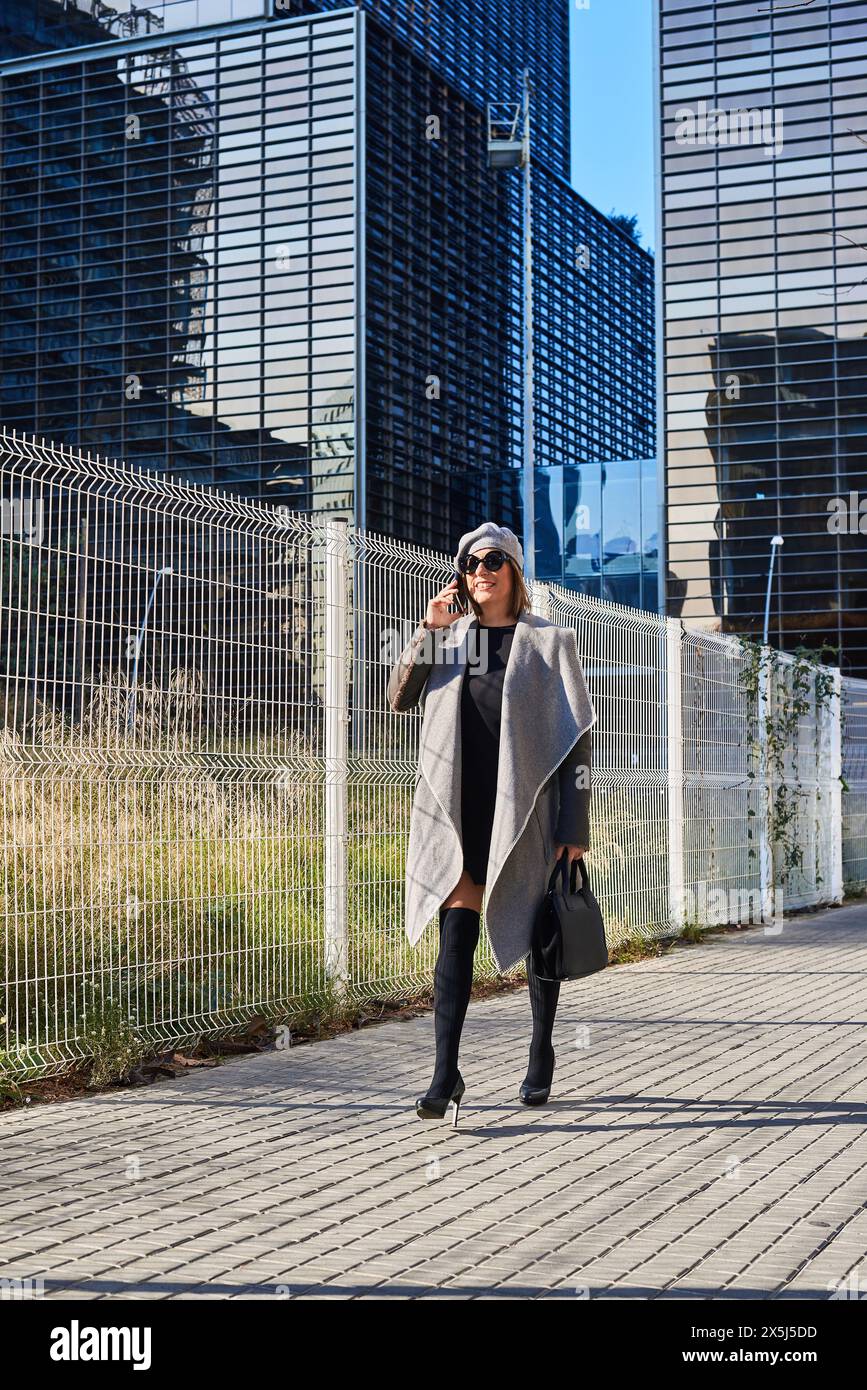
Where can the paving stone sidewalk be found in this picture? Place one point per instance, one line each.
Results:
(705, 1139)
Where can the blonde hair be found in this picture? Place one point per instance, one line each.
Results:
(520, 593)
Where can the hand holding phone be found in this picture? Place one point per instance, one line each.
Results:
(438, 614)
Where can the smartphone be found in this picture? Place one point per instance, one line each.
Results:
(461, 596)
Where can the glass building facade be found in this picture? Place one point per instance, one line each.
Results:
(596, 498)
(179, 283)
(480, 47)
(763, 150)
(234, 231)
(477, 46)
(440, 388)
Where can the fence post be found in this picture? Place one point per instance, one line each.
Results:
(539, 598)
(766, 853)
(674, 736)
(336, 760)
(835, 788)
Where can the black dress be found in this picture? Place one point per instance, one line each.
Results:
(481, 704)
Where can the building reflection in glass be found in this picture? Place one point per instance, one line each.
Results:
(764, 317)
(607, 515)
(780, 444)
(178, 285)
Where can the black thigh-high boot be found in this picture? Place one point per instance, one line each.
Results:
(453, 983)
(544, 996)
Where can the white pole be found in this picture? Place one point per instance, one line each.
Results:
(336, 762)
(775, 542)
(766, 851)
(834, 811)
(674, 732)
(529, 479)
(540, 599)
(771, 907)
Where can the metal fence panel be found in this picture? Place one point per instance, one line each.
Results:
(162, 756)
(854, 796)
(624, 655)
(721, 808)
(205, 796)
(805, 790)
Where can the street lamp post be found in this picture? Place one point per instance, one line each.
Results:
(507, 149)
(776, 542)
(529, 478)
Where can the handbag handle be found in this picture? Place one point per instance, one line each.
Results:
(565, 868)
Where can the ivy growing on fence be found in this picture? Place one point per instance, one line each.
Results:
(796, 686)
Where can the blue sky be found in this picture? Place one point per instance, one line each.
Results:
(612, 112)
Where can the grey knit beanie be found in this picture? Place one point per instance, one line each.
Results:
(487, 536)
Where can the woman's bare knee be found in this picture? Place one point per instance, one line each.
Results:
(465, 894)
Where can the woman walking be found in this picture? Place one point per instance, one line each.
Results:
(503, 788)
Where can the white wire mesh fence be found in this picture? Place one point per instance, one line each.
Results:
(162, 755)
(205, 795)
(854, 783)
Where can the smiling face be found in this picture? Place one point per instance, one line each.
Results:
(491, 590)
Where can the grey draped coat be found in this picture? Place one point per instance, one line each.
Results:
(543, 774)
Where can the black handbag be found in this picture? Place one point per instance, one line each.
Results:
(568, 934)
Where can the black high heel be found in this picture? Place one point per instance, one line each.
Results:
(536, 1095)
(434, 1107)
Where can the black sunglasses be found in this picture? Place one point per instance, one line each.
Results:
(493, 561)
